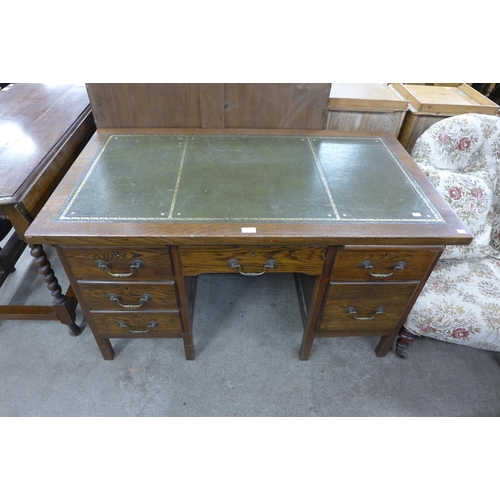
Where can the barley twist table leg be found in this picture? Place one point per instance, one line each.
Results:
(65, 310)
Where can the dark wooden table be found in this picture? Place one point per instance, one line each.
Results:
(143, 212)
(43, 128)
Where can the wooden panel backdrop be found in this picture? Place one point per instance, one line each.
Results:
(210, 105)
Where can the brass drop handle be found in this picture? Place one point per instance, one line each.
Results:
(149, 327)
(135, 265)
(145, 297)
(234, 264)
(352, 311)
(366, 264)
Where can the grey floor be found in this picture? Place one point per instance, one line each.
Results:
(247, 336)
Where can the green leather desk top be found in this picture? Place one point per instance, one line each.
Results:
(196, 178)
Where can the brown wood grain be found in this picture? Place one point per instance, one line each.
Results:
(186, 294)
(197, 260)
(145, 105)
(384, 259)
(83, 262)
(209, 105)
(365, 298)
(163, 295)
(34, 119)
(276, 106)
(169, 324)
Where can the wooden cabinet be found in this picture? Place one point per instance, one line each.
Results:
(367, 107)
(430, 104)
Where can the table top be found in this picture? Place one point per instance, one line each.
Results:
(34, 118)
(271, 186)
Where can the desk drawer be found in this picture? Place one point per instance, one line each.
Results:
(114, 296)
(141, 324)
(359, 308)
(252, 260)
(120, 264)
(383, 263)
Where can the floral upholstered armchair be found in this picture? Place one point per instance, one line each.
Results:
(460, 303)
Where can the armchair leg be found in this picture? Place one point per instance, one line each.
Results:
(404, 340)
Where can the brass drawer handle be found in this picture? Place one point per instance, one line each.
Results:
(135, 265)
(149, 327)
(145, 297)
(352, 311)
(234, 264)
(366, 264)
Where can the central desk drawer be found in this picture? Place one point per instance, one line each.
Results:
(144, 324)
(101, 296)
(251, 260)
(121, 264)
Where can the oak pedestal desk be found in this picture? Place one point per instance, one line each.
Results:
(143, 212)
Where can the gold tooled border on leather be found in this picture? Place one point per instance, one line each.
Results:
(435, 218)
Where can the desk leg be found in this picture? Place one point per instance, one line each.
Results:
(305, 310)
(64, 306)
(311, 316)
(105, 347)
(305, 347)
(9, 255)
(188, 346)
(384, 345)
(186, 293)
